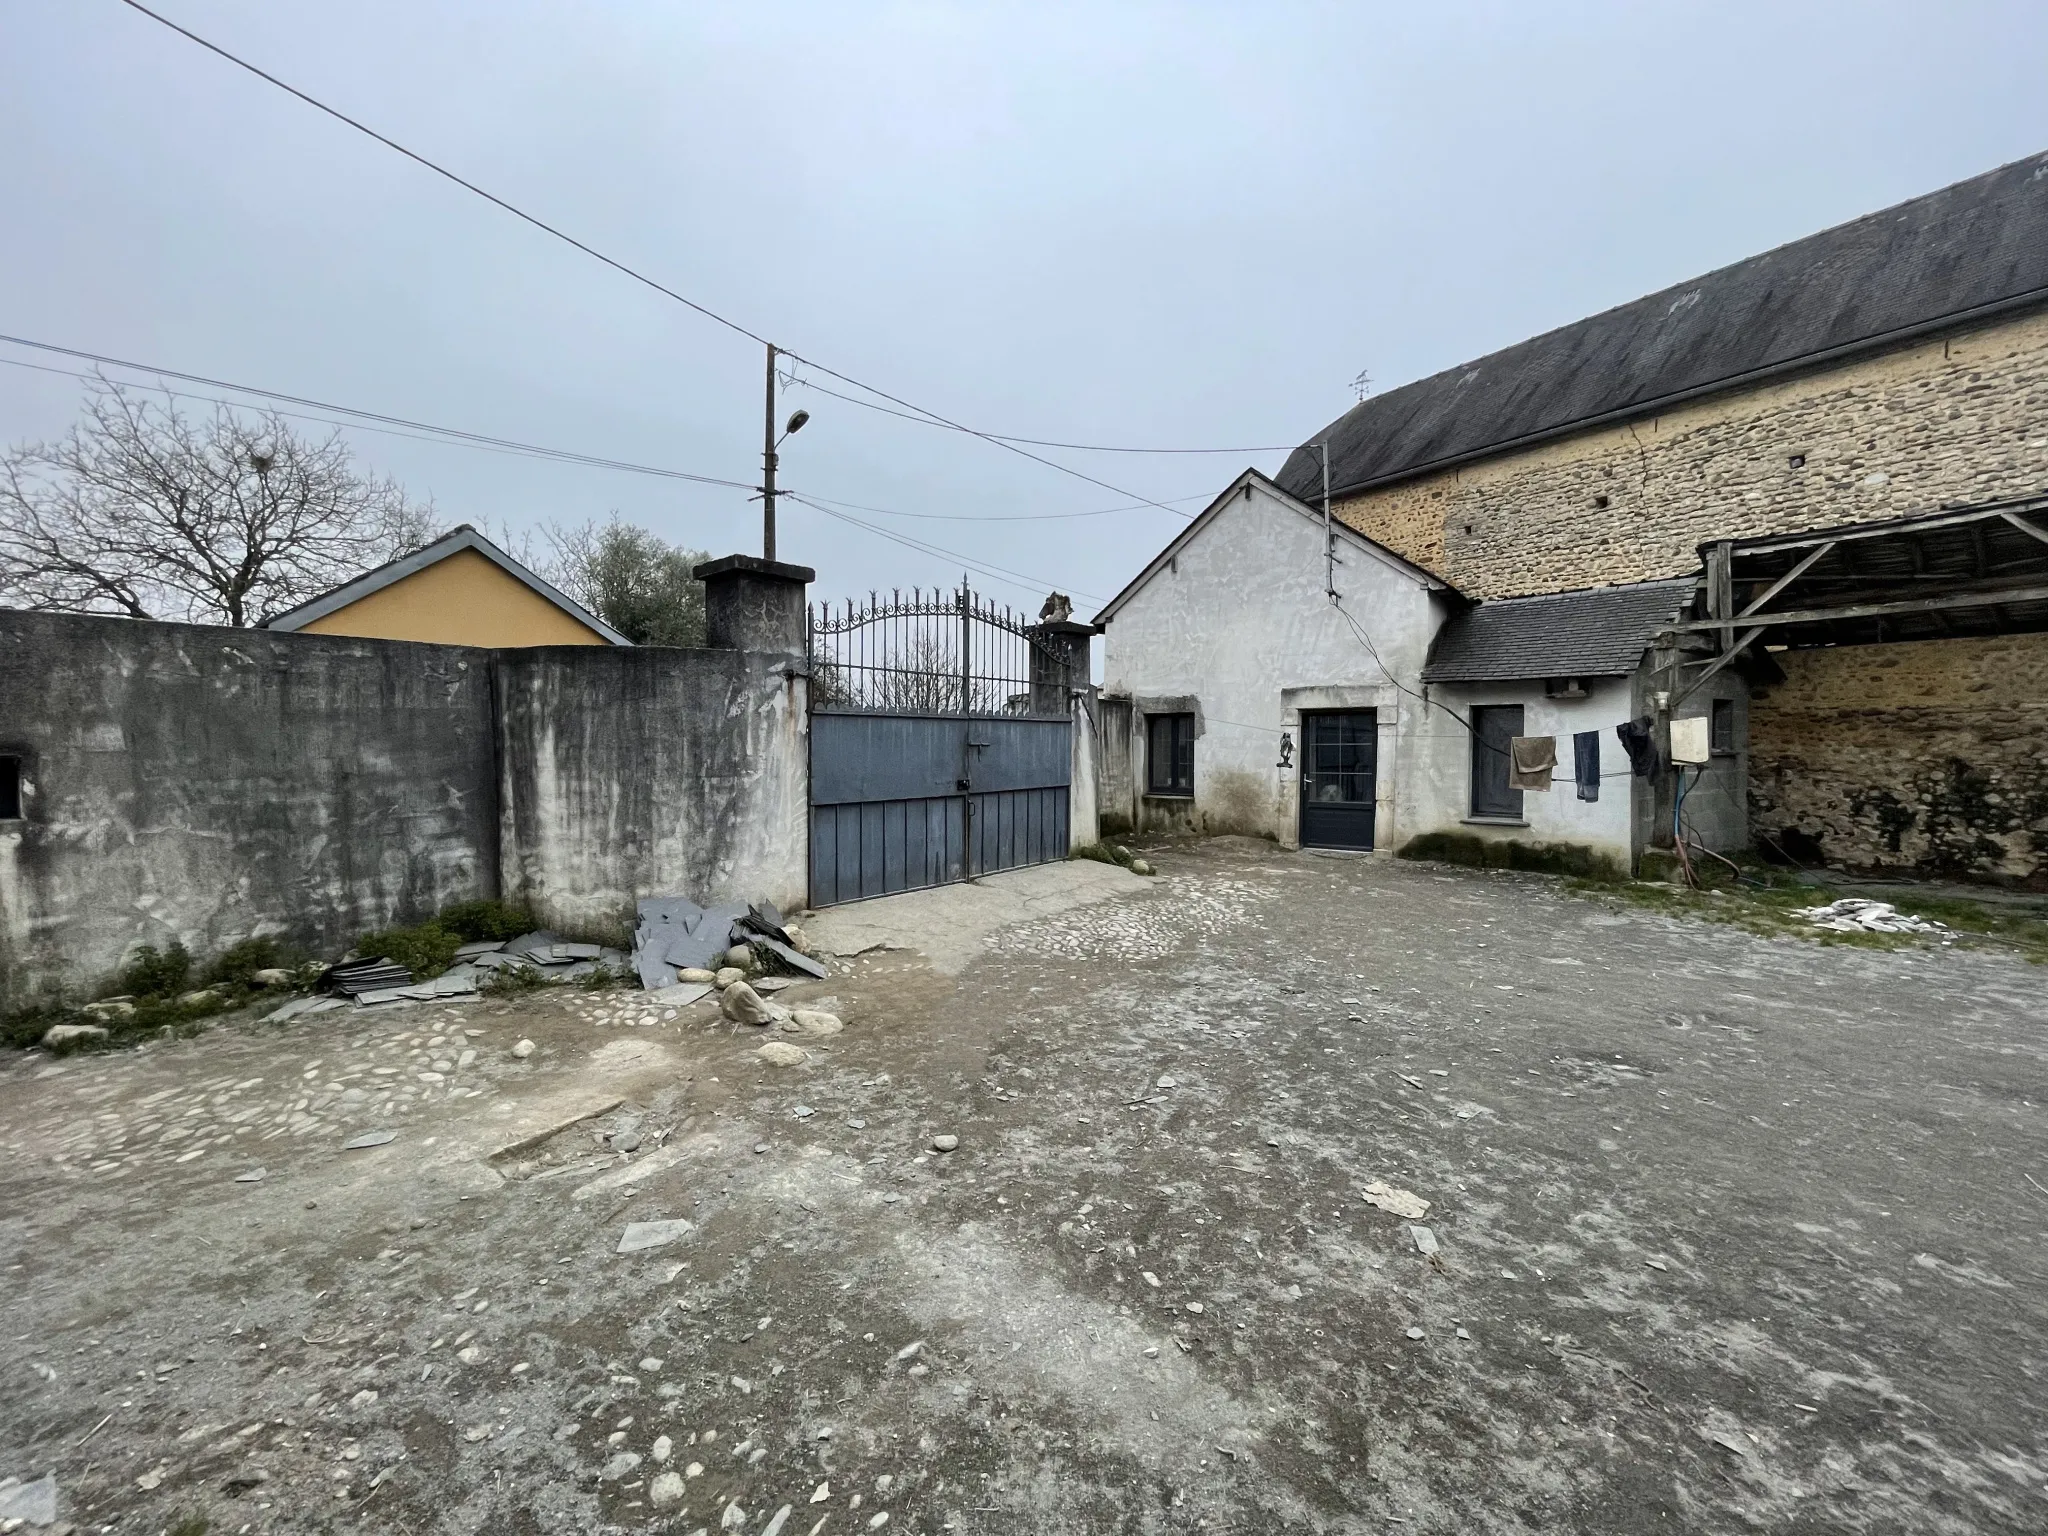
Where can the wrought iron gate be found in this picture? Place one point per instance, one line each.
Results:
(940, 742)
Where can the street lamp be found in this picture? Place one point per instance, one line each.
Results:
(769, 443)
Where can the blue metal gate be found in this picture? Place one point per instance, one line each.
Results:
(941, 744)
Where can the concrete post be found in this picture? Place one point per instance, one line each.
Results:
(751, 604)
(1059, 663)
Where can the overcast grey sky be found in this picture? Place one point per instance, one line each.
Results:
(1183, 225)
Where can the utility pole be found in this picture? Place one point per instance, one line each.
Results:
(768, 465)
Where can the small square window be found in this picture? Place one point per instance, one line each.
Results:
(10, 789)
(1721, 726)
(1170, 754)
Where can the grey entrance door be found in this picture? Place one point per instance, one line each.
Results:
(904, 801)
(1339, 778)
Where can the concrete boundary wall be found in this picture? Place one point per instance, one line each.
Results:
(200, 785)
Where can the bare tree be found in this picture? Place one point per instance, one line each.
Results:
(641, 586)
(921, 676)
(146, 512)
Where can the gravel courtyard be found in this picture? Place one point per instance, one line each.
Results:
(1733, 1234)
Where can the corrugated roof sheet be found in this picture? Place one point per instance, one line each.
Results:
(1597, 633)
(1979, 243)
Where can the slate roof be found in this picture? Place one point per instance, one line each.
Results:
(1967, 251)
(1601, 632)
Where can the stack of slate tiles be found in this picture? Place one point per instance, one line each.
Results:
(675, 934)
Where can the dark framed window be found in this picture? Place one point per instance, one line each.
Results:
(1721, 727)
(10, 789)
(1169, 754)
(1494, 728)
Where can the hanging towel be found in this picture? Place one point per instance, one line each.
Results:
(1586, 763)
(1530, 761)
(1636, 742)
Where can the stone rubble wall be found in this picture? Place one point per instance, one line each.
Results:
(1938, 423)
(1924, 756)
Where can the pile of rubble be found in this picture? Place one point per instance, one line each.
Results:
(1854, 914)
(680, 950)
(676, 935)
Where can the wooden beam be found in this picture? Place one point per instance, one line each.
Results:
(1787, 579)
(1717, 664)
(2024, 526)
(1992, 599)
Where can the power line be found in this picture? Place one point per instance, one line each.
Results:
(460, 438)
(456, 434)
(1004, 517)
(612, 262)
(363, 420)
(1004, 437)
(999, 573)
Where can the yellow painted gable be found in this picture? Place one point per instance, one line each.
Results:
(462, 600)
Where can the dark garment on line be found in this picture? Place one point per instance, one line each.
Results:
(1636, 742)
(1586, 763)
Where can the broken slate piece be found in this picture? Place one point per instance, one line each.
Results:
(641, 1235)
(34, 1502)
(575, 951)
(369, 1139)
(792, 959)
(253, 1176)
(536, 943)
(292, 1009)
(681, 995)
(767, 984)
(482, 947)
(1425, 1240)
(764, 919)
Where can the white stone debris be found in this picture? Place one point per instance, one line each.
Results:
(1395, 1202)
(524, 1049)
(945, 1143)
(652, 1234)
(1425, 1240)
(72, 1034)
(780, 1053)
(34, 1502)
(1854, 914)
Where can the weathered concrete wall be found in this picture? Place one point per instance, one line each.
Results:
(1238, 629)
(1926, 757)
(206, 785)
(1941, 422)
(633, 771)
(1443, 799)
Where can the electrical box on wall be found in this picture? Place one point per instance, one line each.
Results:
(1689, 740)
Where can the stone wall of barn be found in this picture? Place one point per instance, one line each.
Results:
(1925, 757)
(1938, 423)
(1896, 782)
